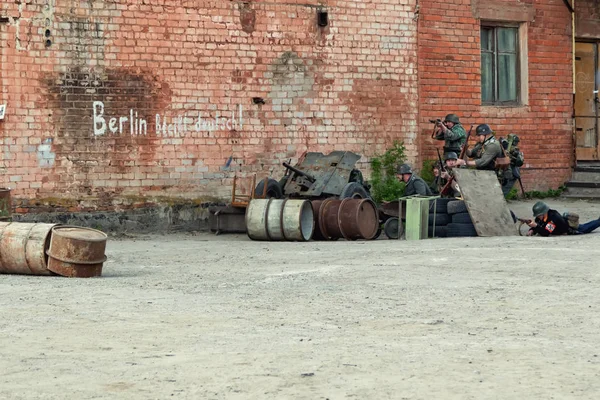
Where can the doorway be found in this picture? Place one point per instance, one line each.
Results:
(587, 102)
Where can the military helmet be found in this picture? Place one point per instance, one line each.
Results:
(404, 169)
(540, 208)
(483, 129)
(515, 138)
(452, 118)
(450, 156)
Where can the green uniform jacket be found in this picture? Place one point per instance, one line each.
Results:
(455, 138)
(485, 153)
(416, 185)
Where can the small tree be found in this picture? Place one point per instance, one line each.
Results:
(427, 170)
(384, 185)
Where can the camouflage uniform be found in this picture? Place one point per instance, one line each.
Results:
(517, 159)
(454, 137)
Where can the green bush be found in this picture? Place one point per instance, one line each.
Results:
(427, 170)
(534, 194)
(512, 195)
(384, 185)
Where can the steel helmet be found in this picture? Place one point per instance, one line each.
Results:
(540, 208)
(515, 138)
(404, 169)
(483, 129)
(452, 118)
(450, 156)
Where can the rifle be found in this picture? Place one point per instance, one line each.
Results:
(442, 168)
(525, 220)
(435, 123)
(463, 154)
(521, 184)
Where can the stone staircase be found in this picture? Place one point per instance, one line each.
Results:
(585, 182)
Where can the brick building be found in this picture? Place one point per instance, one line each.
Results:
(113, 103)
(537, 102)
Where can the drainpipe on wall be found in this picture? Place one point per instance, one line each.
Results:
(571, 8)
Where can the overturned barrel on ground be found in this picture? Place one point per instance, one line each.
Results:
(256, 219)
(320, 232)
(77, 252)
(358, 219)
(351, 219)
(297, 220)
(329, 216)
(23, 248)
(279, 220)
(274, 213)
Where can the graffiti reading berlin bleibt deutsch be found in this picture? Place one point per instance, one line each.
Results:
(177, 126)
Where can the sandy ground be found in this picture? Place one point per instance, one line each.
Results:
(205, 317)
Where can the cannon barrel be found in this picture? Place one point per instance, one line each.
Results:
(299, 172)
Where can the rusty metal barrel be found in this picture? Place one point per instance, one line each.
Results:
(5, 205)
(274, 212)
(297, 221)
(329, 215)
(358, 219)
(77, 252)
(23, 248)
(316, 206)
(256, 219)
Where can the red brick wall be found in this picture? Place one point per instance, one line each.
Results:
(450, 79)
(351, 85)
(587, 14)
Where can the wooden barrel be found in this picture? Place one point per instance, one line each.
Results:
(297, 221)
(256, 219)
(77, 252)
(23, 248)
(358, 219)
(274, 227)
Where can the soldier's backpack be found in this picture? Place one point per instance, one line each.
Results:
(572, 219)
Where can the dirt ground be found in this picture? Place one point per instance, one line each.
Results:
(205, 317)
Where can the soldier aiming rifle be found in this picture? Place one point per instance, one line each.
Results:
(450, 131)
(549, 222)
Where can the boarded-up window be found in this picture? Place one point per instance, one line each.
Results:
(500, 65)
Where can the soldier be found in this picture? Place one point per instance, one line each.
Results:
(517, 160)
(452, 132)
(549, 222)
(451, 162)
(414, 184)
(485, 151)
(436, 184)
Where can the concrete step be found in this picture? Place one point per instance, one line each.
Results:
(583, 184)
(582, 192)
(586, 176)
(595, 170)
(589, 163)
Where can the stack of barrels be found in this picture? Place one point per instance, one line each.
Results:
(301, 220)
(51, 249)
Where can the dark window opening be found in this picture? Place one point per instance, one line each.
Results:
(500, 80)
